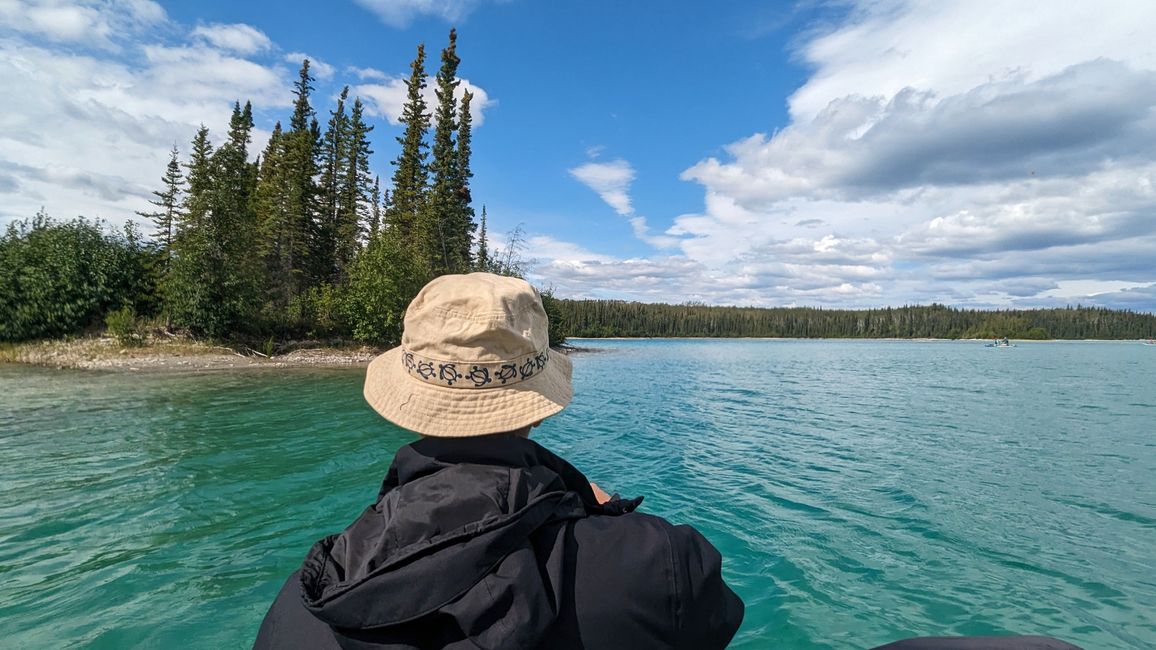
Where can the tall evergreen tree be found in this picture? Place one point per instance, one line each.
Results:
(410, 174)
(439, 219)
(374, 224)
(334, 158)
(215, 279)
(168, 208)
(233, 178)
(278, 229)
(302, 143)
(482, 260)
(200, 181)
(354, 191)
(463, 225)
(186, 287)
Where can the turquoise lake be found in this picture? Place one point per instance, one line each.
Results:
(860, 491)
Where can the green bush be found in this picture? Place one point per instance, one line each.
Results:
(382, 281)
(123, 325)
(58, 278)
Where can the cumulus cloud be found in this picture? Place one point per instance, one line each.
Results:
(239, 38)
(974, 153)
(387, 97)
(1065, 124)
(955, 46)
(87, 22)
(87, 129)
(400, 13)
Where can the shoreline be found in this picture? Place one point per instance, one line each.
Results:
(174, 356)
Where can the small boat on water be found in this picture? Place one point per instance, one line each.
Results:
(1000, 343)
(1150, 341)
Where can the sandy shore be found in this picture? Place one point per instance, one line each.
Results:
(177, 355)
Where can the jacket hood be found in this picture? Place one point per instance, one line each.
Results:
(450, 535)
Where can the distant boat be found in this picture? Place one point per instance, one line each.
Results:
(1150, 341)
(1000, 343)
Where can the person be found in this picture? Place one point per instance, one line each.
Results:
(481, 537)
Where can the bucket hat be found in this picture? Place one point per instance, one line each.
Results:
(474, 359)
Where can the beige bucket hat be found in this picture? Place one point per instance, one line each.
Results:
(474, 359)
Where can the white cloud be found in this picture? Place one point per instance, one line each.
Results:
(239, 37)
(386, 99)
(974, 153)
(318, 68)
(1084, 289)
(86, 22)
(89, 133)
(368, 73)
(610, 180)
(400, 13)
(955, 46)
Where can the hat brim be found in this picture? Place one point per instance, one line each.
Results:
(445, 412)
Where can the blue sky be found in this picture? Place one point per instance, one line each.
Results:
(846, 153)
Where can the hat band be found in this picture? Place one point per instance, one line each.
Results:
(468, 374)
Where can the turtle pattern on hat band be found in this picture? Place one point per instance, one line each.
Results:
(468, 374)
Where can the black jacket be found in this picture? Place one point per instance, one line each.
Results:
(498, 543)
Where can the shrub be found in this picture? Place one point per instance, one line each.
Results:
(57, 278)
(124, 326)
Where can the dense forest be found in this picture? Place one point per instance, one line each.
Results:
(300, 242)
(607, 318)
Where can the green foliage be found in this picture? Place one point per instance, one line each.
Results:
(482, 259)
(303, 242)
(57, 278)
(557, 318)
(407, 201)
(320, 310)
(167, 215)
(447, 228)
(213, 286)
(382, 281)
(122, 324)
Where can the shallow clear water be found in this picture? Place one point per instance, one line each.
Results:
(860, 491)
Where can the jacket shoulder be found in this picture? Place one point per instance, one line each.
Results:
(667, 576)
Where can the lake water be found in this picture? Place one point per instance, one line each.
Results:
(860, 491)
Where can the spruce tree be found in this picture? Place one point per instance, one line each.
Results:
(439, 219)
(302, 143)
(374, 224)
(463, 224)
(276, 226)
(215, 278)
(482, 261)
(200, 181)
(187, 286)
(410, 174)
(334, 158)
(354, 190)
(168, 204)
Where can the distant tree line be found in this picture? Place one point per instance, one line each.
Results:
(614, 318)
(303, 241)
